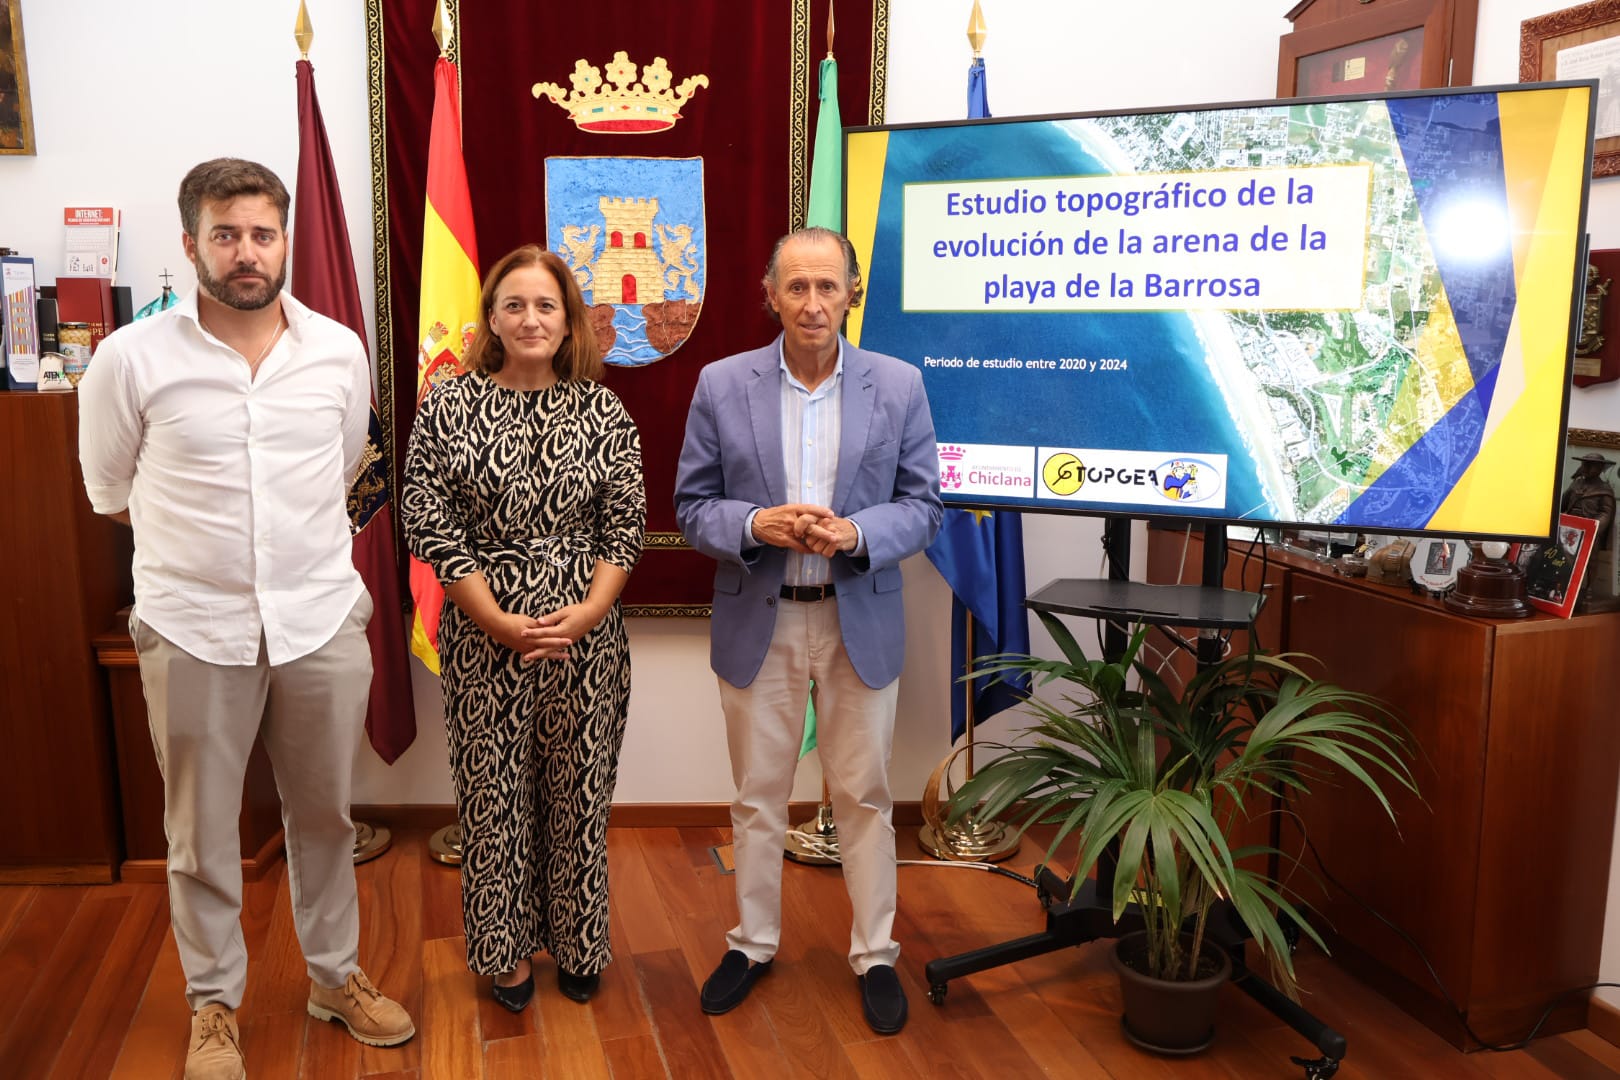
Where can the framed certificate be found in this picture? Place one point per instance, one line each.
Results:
(1582, 42)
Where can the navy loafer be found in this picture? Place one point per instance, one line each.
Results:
(729, 985)
(883, 1000)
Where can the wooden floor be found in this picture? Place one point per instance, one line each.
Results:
(90, 986)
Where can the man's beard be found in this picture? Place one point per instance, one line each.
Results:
(243, 294)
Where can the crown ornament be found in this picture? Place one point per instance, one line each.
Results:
(621, 105)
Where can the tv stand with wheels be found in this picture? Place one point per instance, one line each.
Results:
(1077, 917)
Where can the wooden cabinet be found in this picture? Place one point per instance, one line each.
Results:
(66, 569)
(1500, 870)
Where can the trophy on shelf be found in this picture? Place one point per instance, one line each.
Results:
(1489, 586)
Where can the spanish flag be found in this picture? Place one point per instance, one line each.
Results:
(449, 312)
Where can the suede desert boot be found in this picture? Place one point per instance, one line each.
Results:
(361, 1007)
(215, 1052)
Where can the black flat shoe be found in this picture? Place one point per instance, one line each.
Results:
(514, 998)
(729, 985)
(578, 988)
(883, 1000)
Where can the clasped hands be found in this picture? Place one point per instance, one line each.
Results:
(549, 636)
(806, 528)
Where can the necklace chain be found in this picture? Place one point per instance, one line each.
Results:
(253, 365)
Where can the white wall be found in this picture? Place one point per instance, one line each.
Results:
(127, 97)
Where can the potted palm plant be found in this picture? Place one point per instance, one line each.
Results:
(1156, 780)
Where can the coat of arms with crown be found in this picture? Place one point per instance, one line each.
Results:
(632, 229)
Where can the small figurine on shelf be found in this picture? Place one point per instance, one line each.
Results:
(1589, 495)
(164, 302)
(1387, 565)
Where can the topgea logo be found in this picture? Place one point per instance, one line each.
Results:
(1063, 474)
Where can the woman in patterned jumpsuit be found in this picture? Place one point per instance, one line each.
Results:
(524, 494)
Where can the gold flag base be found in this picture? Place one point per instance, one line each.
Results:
(370, 841)
(444, 846)
(969, 840)
(815, 843)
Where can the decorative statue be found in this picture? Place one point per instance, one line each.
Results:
(1589, 495)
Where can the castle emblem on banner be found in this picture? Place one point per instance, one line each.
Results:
(620, 105)
(632, 230)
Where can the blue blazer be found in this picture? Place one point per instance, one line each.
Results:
(888, 482)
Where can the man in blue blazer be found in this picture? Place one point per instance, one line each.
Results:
(808, 472)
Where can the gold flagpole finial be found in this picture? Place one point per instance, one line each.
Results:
(442, 31)
(303, 32)
(829, 29)
(977, 31)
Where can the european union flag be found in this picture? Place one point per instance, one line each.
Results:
(981, 556)
(978, 95)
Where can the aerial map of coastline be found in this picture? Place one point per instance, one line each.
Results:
(1379, 404)
(1343, 393)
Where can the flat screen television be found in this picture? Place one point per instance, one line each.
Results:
(1352, 313)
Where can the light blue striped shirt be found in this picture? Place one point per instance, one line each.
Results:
(812, 425)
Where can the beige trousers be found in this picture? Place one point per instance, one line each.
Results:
(854, 736)
(204, 717)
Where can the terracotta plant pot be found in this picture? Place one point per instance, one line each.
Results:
(1164, 1016)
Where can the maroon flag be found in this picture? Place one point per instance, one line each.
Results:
(323, 277)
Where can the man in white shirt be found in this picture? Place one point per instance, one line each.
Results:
(226, 431)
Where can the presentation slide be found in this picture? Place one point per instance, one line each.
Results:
(1354, 313)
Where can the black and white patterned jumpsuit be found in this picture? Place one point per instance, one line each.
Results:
(532, 488)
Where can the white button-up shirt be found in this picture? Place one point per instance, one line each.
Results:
(236, 485)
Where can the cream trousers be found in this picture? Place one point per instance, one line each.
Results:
(854, 736)
(204, 717)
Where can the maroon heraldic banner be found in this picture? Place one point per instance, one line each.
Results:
(670, 171)
(323, 277)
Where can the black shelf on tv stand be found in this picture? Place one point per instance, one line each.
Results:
(1202, 606)
(1087, 915)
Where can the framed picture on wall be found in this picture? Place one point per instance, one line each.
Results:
(1385, 45)
(1581, 42)
(1597, 350)
(16, 115)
